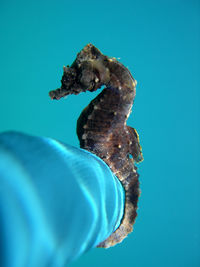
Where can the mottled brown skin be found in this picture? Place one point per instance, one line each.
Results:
(101, 127)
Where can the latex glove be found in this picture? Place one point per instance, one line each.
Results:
(56, 201)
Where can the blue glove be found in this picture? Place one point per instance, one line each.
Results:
(56, 201)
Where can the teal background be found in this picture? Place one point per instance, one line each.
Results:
(159, 42)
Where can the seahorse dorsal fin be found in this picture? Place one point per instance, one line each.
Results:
(135, 148)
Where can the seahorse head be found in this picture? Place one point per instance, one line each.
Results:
(87, 73)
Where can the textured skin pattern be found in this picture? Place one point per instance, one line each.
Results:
(101, 127)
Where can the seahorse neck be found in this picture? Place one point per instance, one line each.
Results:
(119, 92)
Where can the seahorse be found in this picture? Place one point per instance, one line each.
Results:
(101, 127)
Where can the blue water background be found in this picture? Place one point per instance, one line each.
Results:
(159, 42)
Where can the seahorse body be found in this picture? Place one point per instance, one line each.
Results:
(101, 127)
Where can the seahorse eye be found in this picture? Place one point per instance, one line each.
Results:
(86, 75)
